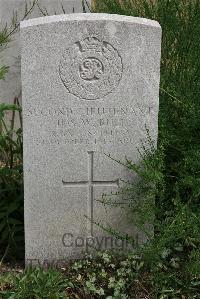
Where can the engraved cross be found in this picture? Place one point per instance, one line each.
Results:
(90, 183)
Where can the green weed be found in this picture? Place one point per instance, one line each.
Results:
(37, 284)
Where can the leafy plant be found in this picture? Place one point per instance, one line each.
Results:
(11, 173)
(37, 284)
(170, 174)
(108, 275)
(11, 183)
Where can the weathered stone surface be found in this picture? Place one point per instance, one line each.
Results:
(90, 87)
(11, 86)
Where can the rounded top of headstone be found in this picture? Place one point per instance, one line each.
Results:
(88, 17)
(91, 60)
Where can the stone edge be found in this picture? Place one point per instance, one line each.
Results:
(88, 17)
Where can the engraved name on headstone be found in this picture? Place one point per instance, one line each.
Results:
(90, 87)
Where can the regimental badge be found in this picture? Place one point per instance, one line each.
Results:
(90, 69)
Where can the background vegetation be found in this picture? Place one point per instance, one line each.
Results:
(169, 265)
(174, 168)
(11, 170)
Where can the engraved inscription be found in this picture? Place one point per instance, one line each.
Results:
(102, 125)
(90, 183)
(90, 69)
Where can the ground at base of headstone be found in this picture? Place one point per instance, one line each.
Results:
(101, 277)
(108, 275)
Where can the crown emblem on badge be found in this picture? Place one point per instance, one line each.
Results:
(91, 43)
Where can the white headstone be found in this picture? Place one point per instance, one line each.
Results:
(90, 88)
(11, 86)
